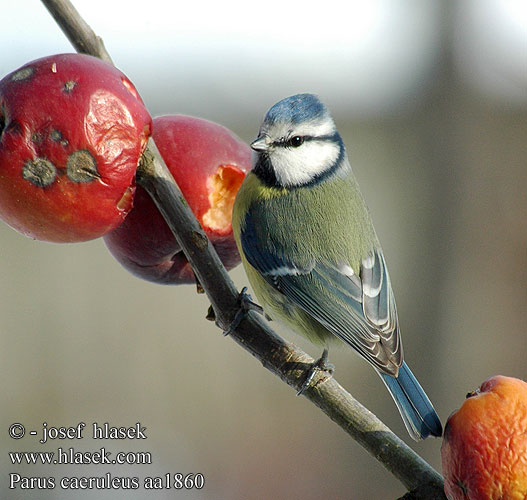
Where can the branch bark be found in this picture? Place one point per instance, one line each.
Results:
(253, 333)
(76, 29)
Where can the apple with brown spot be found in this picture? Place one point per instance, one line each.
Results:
(72, 130)
(209, 163)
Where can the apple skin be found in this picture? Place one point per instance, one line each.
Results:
(484, 450)
(72, 130)
(209, 163)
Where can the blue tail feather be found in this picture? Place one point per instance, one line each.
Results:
(417, 411)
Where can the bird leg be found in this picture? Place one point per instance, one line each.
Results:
(321, 364)
(245, 304)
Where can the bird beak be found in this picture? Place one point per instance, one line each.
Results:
(260, 143)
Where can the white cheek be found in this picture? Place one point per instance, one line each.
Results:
(295, 166)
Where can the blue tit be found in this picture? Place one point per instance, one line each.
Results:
(311, 253)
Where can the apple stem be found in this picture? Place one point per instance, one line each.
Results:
(253, 333)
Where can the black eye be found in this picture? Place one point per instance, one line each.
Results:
(295, 141)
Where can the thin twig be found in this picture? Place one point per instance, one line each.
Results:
(253, 333)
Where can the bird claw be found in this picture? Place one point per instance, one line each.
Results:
(321, 364)
(245, 304)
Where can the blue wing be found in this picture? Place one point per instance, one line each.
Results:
(358, 308)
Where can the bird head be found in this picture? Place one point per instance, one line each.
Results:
(298, 143)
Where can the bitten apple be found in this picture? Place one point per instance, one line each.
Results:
(209, 163)
(72, 130)
(484, 450)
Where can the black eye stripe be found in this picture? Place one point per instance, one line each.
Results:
(286, 142)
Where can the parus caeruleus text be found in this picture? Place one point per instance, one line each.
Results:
(311, 253)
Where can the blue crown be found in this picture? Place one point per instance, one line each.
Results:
(296, 109)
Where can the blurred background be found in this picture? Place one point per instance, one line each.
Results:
(431, 100)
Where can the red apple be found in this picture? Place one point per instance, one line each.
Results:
(209, 164)
(72, 130)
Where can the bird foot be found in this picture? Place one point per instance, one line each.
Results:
(321, 364)
(245, 304)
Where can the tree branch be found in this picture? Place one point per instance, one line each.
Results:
(76, 29)
(253, 333)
